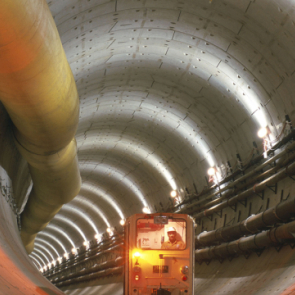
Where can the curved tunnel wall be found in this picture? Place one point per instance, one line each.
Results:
(18, 274)
(167, 89)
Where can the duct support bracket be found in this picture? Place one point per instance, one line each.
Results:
(234, 207)
(261, 196)
(273, 187)
(244, 203)
(218, 213)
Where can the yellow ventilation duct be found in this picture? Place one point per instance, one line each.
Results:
(38, 91)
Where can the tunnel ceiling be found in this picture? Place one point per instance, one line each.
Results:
(167, 89)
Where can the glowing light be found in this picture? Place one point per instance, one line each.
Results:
(211, 171)
(98, 237)
(137, 254)
(59, 259)
(262, 132)
(86, 244)
(66, 255)
(146, 210)
(74, 251)
(173, 194)
(109, 230)
(122, 222)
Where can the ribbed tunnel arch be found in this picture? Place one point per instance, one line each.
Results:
(51, 239)
(167, 89)
(69, 222)
(72, 209)
(36, 257)
(59, 231)
(99, 213)
(169, 81)
(92, 189)
(49, 246)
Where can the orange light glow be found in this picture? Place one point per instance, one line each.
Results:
(137, 254)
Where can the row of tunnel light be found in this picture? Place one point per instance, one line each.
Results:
(98, 237)
(213, 174)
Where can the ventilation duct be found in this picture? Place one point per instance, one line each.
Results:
(38, 90)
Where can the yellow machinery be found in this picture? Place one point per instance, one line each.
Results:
(159, 254)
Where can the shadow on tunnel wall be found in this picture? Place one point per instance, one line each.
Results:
(15, 180)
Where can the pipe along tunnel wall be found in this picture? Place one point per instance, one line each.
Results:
(216, 272)
(271, 271)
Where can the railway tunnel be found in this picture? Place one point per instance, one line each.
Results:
(107, 106)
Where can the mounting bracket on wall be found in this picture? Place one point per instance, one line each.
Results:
(199, 262)
(260, 195)
(243, 203)
(230, 258)
(282, 196)
(219, 213)
(278, 249)
(259, 252)
(210, 217)
(247, 255)
(273, 187)
(234, 207)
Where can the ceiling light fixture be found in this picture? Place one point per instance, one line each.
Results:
(262, 132)
(211, 171)
(173, 194)
(98, 237)
(146, 210)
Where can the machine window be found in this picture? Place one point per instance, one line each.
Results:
(161, 233)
